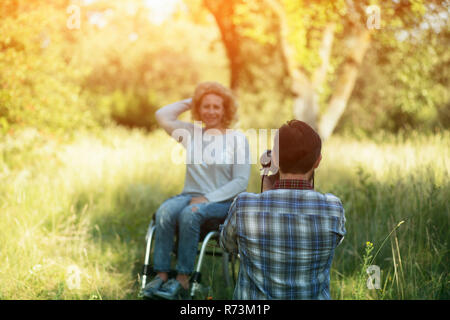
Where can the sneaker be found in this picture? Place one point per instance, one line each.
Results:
(152, 287)
(172, 290)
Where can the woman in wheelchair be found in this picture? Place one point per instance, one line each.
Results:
(217, 170)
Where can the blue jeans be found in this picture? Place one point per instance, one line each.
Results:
(176, 210)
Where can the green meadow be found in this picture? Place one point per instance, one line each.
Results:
(74, 213)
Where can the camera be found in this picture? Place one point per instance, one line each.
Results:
(267, 163)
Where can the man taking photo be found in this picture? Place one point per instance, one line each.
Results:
(286, 235)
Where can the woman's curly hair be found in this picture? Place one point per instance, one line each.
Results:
(229, 101)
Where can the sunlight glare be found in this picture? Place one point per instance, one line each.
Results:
(160, 9)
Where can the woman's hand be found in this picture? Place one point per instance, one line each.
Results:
(200, 199)
(196, 200)
(187, 102)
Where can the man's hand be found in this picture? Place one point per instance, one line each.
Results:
(196, 200)
(269, 181)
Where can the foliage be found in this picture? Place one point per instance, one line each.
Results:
(398, 88)
(86, 202)
(117, 66)
(141, 66)
(403, 82)
(39, 83)
(120, 66)
(360, 288)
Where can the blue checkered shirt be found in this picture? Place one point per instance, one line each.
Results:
(286, 239)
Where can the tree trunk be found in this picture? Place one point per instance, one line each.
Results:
(223, 12)
(326, 46)
(306, 102)
(305, 107)
(305, 91)
(358, 44)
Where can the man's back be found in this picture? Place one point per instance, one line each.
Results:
(286, 239)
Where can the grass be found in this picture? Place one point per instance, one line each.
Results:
(73, 215)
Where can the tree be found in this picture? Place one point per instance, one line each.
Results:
(39, 79)
(322, 45)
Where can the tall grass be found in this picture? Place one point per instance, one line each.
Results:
(85, 206)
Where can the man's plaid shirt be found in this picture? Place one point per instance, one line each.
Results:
(286, 239)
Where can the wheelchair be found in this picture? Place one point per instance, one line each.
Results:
(209, 235)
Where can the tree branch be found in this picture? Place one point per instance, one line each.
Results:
(299, 79)
(320, 73)
(358, 43)
(223, 12)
